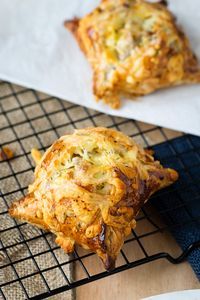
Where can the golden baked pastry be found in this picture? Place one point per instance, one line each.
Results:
(135, 48)
(89, 186)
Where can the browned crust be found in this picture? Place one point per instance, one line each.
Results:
(136, 197)
(163, 2)
(29, 203)
(72, 25)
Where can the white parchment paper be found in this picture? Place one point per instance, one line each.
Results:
(36, 51)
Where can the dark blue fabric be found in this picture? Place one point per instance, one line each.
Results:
(179, 204)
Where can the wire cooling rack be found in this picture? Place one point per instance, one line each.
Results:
(32, 266)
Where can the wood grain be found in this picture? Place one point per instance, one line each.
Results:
(147, 280)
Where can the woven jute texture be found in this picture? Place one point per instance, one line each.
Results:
(33, 262)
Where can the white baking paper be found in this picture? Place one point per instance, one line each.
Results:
(37, 51)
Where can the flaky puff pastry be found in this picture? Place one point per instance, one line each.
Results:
(134, 48)
(89, 186)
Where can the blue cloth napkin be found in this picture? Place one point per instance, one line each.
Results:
(179, 204)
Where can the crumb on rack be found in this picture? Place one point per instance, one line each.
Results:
(6, 153)
(36, 155)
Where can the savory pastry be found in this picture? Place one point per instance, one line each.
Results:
(88, 189)
(135, 48)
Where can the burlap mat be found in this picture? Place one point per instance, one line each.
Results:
(30, 119)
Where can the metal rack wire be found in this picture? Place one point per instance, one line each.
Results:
(28, 255)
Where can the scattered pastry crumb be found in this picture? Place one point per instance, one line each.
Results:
(6, 153)
(36, 155)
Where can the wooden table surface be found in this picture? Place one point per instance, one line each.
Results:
(150, 279)
(147, 280)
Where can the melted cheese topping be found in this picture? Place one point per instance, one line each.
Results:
(88, 188)
(135, 48)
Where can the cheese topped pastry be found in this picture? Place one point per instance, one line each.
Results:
(88, 189)
(134, 48)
